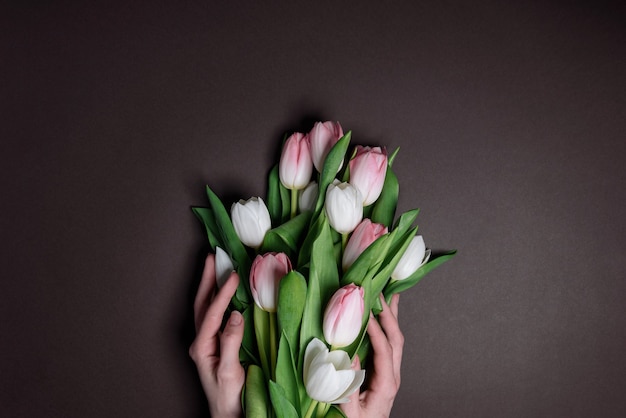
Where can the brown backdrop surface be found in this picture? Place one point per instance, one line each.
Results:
(510, 118)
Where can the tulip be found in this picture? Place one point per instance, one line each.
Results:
(265, 274)
(344, 206)
(343, 316)
(308, 197)
(363, 236)
(322, 138)
(328, 376)
(295, 167)
(367, 172)
(223, 266)
(414, 257)
(251, 220)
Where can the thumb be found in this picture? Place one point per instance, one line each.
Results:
(353, 407)
(230, 342)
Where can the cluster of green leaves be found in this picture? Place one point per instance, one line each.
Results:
(315, 251)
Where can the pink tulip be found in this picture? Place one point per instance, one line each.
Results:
(343, 316)
(363, 236)
(265, 274)
(295, 167)
(367, 172)
(322, 138)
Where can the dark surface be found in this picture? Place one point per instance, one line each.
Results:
(511, 121)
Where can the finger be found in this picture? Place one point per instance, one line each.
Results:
(382, 355)
(395, 301)
(353, 406)
(230, 342)
(210, 326)
(205, 290)
(391, 327)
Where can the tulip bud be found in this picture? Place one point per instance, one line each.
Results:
(295, 167)
(367, 172)
(323, 137)
(344, 207)
(414, 257)
(265, 274)
(328, 376)
(343, 316)
(308, 197)
(251, 221)
(363, 236)
(223, 266)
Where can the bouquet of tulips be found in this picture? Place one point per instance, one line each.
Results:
(314, 258)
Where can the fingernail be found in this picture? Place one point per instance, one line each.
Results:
(235, 318)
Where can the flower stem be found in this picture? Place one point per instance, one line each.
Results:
(273, 350)
(322, 409)
(294, 203)
(312, 406)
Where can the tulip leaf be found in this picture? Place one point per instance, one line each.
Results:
(304, 255)
(286, 374)
(232, 244)
(331, 166)
(286, 237)
(385, 206)
(406, 220)
(368, 262)
(247, 353)
(282, 406)
(392, 157)
(274, 203)
(262, 333)
(206, 217)
(291, 301)
(398, 286)
(255, 395)
(335, 412)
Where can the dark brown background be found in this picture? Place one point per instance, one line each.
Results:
(510, 118)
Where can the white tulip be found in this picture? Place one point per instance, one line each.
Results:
(413, 258)
(251, 220)
(328, 376)
(344, 206)
(308, 197)
(223, 266)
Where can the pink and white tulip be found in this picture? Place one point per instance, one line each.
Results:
(323, 137)
(266, 272)
(295, 167)
(367, 172)
(363, 236)
(343, 316)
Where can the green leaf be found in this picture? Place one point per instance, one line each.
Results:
(288, 236)
(331, 165)
(262, 333)
(367, 264)
(335, 412)
(406, 220)
(274, 203)
(248, 351)
(323, 265)
(282, 406)
(398, 286)
(256, 400)
(232, 245)
(385, 206)
(206, 217)
(291, 301)
(286, 373)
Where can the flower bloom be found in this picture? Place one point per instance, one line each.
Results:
(308, 197)
(413, 258)
(344, 206)
(322, 138)
(343, 316)
(367, 172)
(251, 220)
(363, 236)
(223, 266)
(265, 274)
(328, 376)
(295, 167)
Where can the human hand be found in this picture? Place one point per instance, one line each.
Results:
(216, 353)
(387, 343)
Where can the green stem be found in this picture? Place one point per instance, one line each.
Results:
(294, 203)
(344, 242)
(273, 350)
(322, 409)
(260, 321)
(312, 406)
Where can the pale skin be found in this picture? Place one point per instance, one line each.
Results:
(216, 353)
